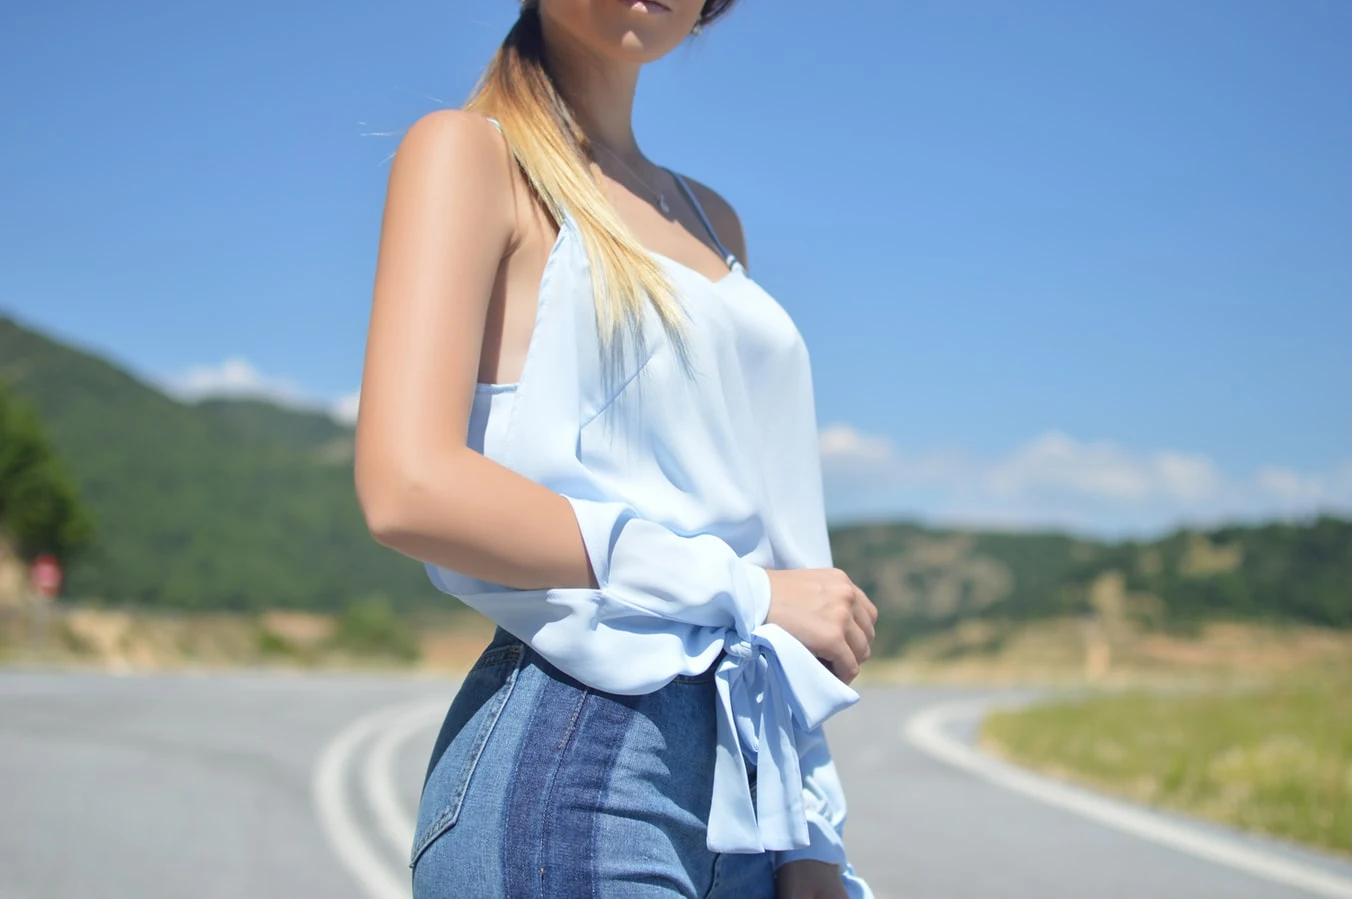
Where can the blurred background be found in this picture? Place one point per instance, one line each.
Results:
(1077, 283)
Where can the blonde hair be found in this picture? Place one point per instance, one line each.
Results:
(553, 153)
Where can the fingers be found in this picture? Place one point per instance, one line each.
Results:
(865, 616)
(867, 604)
(828, 613)
(856, 630)
(858, 642)
(844, 663)
(846, 673)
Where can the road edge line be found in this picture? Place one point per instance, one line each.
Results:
(925, 730)
(380, 774)
(333, 808)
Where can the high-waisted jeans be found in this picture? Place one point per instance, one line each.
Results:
(540, 787)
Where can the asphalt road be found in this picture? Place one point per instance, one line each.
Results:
(276, 785)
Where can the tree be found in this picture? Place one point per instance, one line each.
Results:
(40, 510)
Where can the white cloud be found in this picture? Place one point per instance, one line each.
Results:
(344, 409)
(1285, 485)
(1057, 463)
(851, 454)
(234, 377)
(1056, 480)
(237, 377)
(840, 441)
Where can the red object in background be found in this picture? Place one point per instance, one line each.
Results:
(45, 576)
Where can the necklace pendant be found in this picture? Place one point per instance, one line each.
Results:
(662, 204)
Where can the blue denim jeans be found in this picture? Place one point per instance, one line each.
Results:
(539, 786)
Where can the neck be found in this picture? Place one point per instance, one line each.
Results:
(600, 91)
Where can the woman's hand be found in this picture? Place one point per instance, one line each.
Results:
(809, 880)
(827, 613)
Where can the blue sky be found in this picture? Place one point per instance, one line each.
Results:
(1057, 263)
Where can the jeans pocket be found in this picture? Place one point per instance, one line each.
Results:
(468, 726)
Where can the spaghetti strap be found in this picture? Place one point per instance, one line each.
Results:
(731, 260)
(699, 210)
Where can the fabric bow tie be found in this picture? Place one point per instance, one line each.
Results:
(769, 686)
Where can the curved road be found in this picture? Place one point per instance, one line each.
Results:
(279, 785)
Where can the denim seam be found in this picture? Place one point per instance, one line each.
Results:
(605, 711)
(548, 798)
(713, 875)
(447, 818)
(572, 809)
(546, 792)
(596, 841)
(550, 806)
(568, 731)
(495, 657)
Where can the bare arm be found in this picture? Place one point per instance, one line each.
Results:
(448, 223)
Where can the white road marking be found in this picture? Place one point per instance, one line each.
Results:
(380, 774)
(926, 730)
(333, 807)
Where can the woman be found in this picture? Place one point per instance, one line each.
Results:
(590, 424)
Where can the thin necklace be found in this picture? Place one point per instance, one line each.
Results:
(661, 196)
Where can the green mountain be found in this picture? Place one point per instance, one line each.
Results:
(242, 504)
(924, 579)
(220, 504)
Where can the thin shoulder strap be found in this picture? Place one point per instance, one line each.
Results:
(699, 210)
(496, 124)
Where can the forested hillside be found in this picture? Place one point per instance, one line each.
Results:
(40, 508)
(925, 580)
(246, 505)
(223, 504)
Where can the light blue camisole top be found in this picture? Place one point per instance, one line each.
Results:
(687, 483)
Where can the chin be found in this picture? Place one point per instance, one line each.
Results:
(633, 30)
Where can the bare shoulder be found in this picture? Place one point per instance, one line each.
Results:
(453, 151)
(722, 216)
(453, 131)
